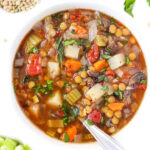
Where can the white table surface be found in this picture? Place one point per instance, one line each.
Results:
(11, 24)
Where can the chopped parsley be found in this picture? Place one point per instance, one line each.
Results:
(127, 60)
(119, 94)
(105, 88)
(58, 16)
(102, 121)
(143, 82)
(112, 20)
(34, 50)
(66, 84)
(105, 56)
(90, 122)
(66, 137)
(100, 22)
(103, 78)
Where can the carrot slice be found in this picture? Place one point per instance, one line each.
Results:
(79, 29)
(116, 106)
(72, 132)
(72, 65)
(99, 65)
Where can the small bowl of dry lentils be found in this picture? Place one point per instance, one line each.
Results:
(15, 6)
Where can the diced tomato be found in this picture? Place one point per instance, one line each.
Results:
(93, 54)
(60, 113)
(110, 73)
(34, 65)
(141, 86)
(95, 116)
(76, 17)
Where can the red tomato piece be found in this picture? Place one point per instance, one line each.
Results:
(93, 54)
(95, 116)
(141, 86)
(34, 67)
(110, 73)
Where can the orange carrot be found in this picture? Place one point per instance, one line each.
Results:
(99, 65)
(116, 106)
(72, 132)
(79, 29)
(72, 65)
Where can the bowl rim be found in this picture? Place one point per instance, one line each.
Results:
(91, 4)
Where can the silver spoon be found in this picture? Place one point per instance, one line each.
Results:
(106, 141)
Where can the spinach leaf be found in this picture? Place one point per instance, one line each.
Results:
(60, 51)
(128, 6)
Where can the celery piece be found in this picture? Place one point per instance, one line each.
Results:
(73, 96)
(26, 147)
(10, 144)
(4, 147)
(32, 41)
(19, 147)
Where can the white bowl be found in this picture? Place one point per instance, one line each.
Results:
(23, 129)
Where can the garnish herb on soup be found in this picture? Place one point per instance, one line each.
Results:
(79, 63)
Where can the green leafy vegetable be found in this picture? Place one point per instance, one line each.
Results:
(66, 84)
(73, 32)
(102, 78)
(100, 22)
(60, 51)
(58, 16)
(119, 94)
(105, 56)
(85, 43)
(66, 137)
(112, 20)
(69, 42)
(44, 88)
(127, 60)
(107, 49)
(128, 6)
(34, 50)
(124, 42)
(102, 121)
(143, 82)
(105, 88)
(90, 122)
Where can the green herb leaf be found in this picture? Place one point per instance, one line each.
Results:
(105, 88)
(127, 60)
(128, 6)
(34, 50)
(102, 78)
(119, 94)
(60, 51)
(15, 87)
(58, 16)
(66, 137)
(143, 82)
(105, 56)
(66, 84)
(112, 20)
(100, 22)
(148, 1)
(74, 112)
(124, 42)
(90, 122)
(69, 42)
(102, 121)
(82, 42)
(73, 32)
(107, 49)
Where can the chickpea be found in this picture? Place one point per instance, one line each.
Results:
(111, 99)
(111, 129)
(86, 101)
(109, 113)
(112, 29)
(115, 120)
(125, 32)
(88, 109)
(118, 33)
(118, 114)
(91, 68)
(31, 84)
(122, 87)
(132, 40)
(59, 130)
(104, 109)
(83, 74)
(115, 87)
(132, 56)
(63, 26)
(78, 79)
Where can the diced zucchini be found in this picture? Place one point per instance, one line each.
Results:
(72, 51)
(55, 123)
(116, 61)
(55, 100)
(32, 41)
(73, 96)
(10, 144)
(54, 69)
(95, 93)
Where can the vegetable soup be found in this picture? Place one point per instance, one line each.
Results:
(79, 64)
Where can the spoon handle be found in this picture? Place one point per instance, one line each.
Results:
(106, 141)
